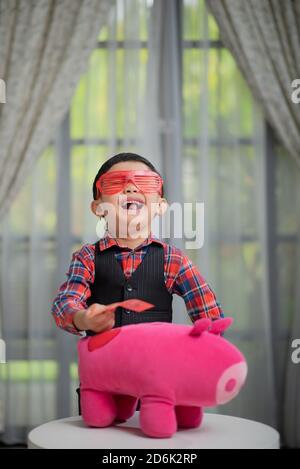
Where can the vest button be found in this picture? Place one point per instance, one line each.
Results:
(129, 288)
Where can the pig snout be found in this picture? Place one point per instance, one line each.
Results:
(230, 382)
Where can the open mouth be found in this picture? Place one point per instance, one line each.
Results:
(132, 206)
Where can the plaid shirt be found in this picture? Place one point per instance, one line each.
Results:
(181, 278)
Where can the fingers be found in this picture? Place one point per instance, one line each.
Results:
(110, 323)
(99, 318)
(97, 308)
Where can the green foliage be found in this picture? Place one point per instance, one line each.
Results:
(33, 370)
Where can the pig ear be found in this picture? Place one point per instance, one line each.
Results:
(200, 326)
(220, 325)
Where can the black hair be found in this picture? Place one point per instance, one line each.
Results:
(117, 159)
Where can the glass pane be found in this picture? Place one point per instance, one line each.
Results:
(286, 293)
(194, 21)
(29, 384)
(235, 102)
(89, 105)
(74, 384)
(287, 187)
(231, 188)
(123, 10)
(44, 205)
(15, 326)
(85, 164)
(210, 99)
(231, 262)
(94, 113)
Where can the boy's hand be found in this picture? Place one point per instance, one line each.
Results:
(95, 318)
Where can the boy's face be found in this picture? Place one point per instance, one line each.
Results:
(125, 220)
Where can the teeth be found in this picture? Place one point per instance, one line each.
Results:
(132, 205)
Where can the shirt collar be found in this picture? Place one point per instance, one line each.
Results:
(108, 241)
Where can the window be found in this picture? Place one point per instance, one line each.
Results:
(218, 128)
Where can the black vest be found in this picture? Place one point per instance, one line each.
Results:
(146, 283)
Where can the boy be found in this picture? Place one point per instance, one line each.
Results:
(129, 262)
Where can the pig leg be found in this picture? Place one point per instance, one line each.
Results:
(157, 417)
(126, 406)
(188, 416)
(98, 408)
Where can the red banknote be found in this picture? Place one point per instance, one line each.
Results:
(133, 304)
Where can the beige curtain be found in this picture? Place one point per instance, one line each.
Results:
(264, 38)
(44, 48)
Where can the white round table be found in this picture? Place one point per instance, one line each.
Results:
(216, 431)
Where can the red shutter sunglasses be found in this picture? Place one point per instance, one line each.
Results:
(115, 181)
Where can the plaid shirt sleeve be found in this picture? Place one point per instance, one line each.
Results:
(73, 293)
(199, 298)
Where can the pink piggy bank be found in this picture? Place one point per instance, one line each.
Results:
(175, 370)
